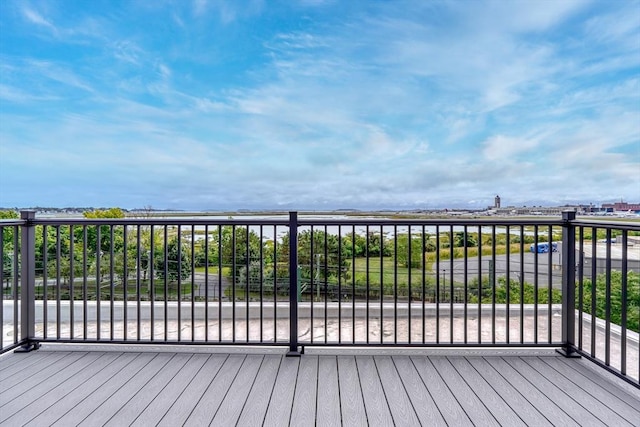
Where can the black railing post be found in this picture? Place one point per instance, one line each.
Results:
(568, 285)
(27, 283)
(293, 285)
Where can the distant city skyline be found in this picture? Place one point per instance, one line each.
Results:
(318, 104)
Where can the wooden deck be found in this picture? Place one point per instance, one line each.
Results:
(129, 385)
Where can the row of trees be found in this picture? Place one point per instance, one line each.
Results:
(116, 253)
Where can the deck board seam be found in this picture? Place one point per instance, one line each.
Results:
(500, 394)
(446, 384)
(556, 388)
(235, 376)
(361, 390)
(404, 387)
(427, 388)
(335, 358)
(104, 382)
(517, 389)
(577, 386)
(161, 390)
(264, 417)
(203, 392)
(253, 383)
(124, 384)
(447, 358)
(596, 384)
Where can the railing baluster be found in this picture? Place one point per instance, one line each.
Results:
(568, 284)
(125, 273)
(112, 284)
(423, 266)
(395, 284)
(493, 274)
(410, 267)
(451, 278)
(71, 280)
(85, 298)
(581, 259)
(623, 297)
(339, 272)
(138, 280)
(353, 283)
(151, 290)
(466, 283)
(437, 261)
(522, 281)
(293, 285)
(536, 286)
(193, 280)
(58, 285)
(479, 284)
(27, 281)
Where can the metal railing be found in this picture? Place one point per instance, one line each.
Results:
(337, 282)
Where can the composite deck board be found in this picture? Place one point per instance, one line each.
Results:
(98, 392)
(399, 402)
(52, 409)
(328, 399)
(212, 398)
(465, 395)
(352, 405)
(496, 405)
(375, 401)
(229, 411)
(614, 388)
(303, 412)
(184, 387)
(447, 403)
(148, 392)
(14, 362)
(538, 398)
(27, 380)
(70, 377)
(586, 400)
(19, 374)
(579, 412)
(510, 394)
(281, 401)
(153, 413)
(609, 396)
(426, 409)
(255, 407)
(120, 397)
(182, 407)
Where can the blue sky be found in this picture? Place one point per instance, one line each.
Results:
(311, 104)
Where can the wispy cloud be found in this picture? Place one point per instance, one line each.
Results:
(36, 18)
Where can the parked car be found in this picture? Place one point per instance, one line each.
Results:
(543, 248)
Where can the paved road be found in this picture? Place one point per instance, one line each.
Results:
(544, 263)
(213, 285)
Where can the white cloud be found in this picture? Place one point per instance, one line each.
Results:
(36, 18)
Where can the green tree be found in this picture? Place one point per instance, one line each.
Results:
(409, 258)
(177, 263)
(328, 260)
(238, 248)
(633, 298)
(377, 245)
(463, 239)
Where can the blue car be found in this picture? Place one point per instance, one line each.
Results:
(543, 248)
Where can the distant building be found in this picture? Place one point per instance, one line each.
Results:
(621, 207)
(496, 203)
